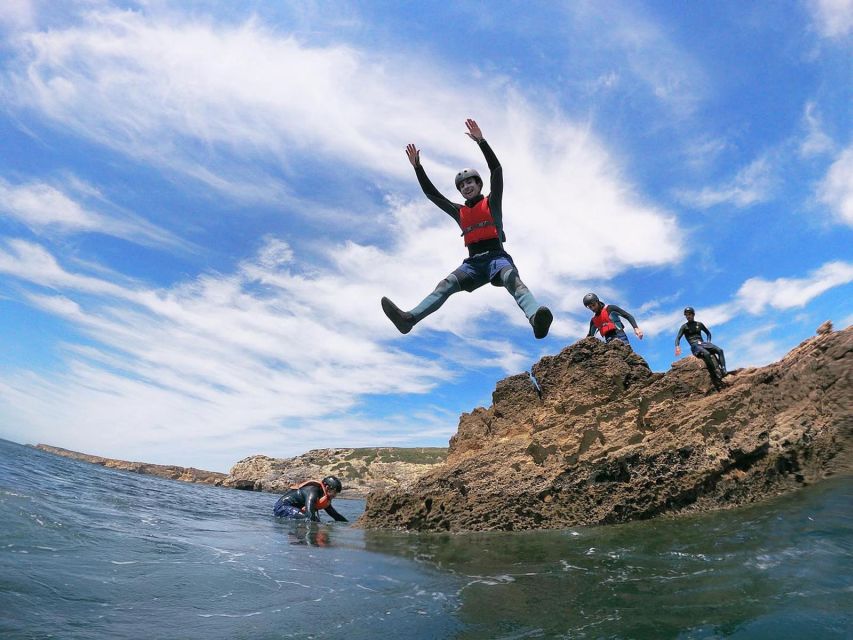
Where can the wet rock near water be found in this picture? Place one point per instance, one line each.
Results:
(610, 441)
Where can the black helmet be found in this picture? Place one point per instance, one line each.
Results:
(689, 310)
(468, 173)
(333, 483)
(589, 299)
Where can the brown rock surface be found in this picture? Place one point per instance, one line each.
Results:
(184, 474)
(361, 470)
(611, 441)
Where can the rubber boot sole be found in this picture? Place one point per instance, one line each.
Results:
(541, 322)
(396, 316)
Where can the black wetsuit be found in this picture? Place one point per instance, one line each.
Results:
(496, 183)
(616, 314)
(693, 330)
(292, 503)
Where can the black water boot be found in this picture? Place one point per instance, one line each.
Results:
(403, 320)
(541, 322)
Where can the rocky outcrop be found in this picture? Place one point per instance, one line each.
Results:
(610, 441)
(184, 474)
(361, 470)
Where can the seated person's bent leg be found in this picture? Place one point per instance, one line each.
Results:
(721, 358)
(433, 301)
(523, 297)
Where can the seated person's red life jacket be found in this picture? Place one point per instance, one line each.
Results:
(603, 323)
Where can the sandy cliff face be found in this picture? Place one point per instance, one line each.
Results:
(361, 470)
(611, 441)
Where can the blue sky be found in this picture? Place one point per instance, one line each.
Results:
(202, 203)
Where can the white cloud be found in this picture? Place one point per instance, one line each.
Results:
(816, 141)
(753, 184)
(834, 18)
(787, 293)
(217, 102)
(46, 209)
(836, 189)
(213, 357)
(17, 14)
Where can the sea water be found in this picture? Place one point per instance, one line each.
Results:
(90, 552)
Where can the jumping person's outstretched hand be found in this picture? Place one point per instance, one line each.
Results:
(414, 155)
(678, 351)
(639, 333)
(473, 130)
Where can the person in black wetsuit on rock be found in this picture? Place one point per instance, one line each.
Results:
(481, 222)
(303, 501)
(705, 350)
(607, 320)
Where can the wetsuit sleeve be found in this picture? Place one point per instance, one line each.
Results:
(591, 329)
(496, 184)
(680, 334)
(612, 308)
(435, 196)
(337, 516)
(312, 494)
(702, 327)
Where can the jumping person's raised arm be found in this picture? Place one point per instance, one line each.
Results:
(496, 175)
(432, 194)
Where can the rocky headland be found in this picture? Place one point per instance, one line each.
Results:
(610, 441)
(362, 470)
(171, 472)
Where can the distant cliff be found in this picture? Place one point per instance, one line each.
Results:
(185, 474)
(610, 441)
(361, 470)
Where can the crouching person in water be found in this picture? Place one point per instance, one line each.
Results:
(693, 330)
(607, 320)
(303, 501)
(481, 222)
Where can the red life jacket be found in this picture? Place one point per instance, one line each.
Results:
(603, 323)
(477, 222)
(322, 503)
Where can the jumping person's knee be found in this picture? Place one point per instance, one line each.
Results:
(449, 285)
(510, 278)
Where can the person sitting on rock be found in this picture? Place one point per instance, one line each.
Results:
(303, 501)
(481, 222)
(705, 350)
(607, 320)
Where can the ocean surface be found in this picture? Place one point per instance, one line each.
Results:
(89, 552)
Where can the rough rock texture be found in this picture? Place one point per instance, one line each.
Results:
(611, 441)
(185, 474)
(360, 470)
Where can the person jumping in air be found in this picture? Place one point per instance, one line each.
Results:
(303, 501)
(693, 330)
(607, 320)
(481, 222)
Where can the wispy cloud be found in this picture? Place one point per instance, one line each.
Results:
(757, 294)
(47, 209)
(223, 101)
(816, 141)
(834, 18)
(836, 189)
(752, 185)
